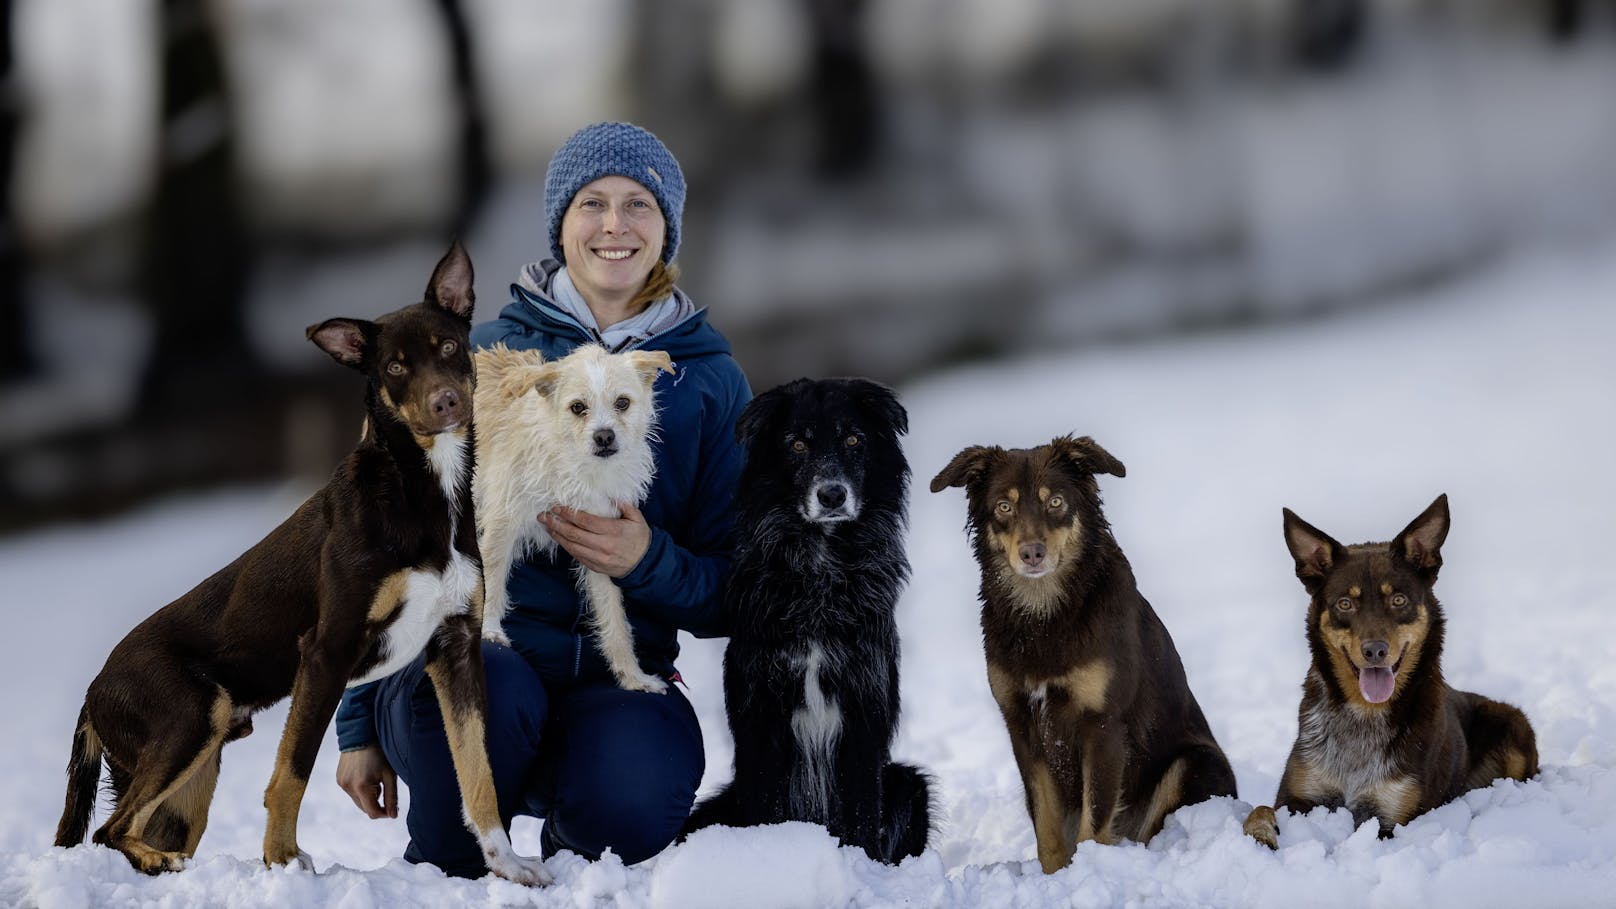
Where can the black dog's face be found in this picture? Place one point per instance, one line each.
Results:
(418, 357)
(823, 443)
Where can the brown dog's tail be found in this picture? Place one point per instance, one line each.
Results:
(83, 779)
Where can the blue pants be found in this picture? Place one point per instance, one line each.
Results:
(605, 767)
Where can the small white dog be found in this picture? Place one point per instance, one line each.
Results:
(576, 432)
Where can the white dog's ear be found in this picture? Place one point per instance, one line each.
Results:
(541, 379)
(649, 362)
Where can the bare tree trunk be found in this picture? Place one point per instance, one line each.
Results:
(1329, 33)
(475, 166)
(847, 117)
(16, 353)
(196, 256)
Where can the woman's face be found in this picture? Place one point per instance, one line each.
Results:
(611, 237)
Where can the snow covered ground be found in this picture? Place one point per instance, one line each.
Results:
(1498, 391)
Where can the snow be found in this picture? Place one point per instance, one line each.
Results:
(1497, 390)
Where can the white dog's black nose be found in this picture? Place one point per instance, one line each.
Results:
(605, 442)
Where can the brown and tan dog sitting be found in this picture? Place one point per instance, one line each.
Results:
(1379, 730)
(376, 567)
(1106, 733)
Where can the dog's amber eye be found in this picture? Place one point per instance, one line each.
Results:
(449, 347)
(395, 368)
(1399, 600)
(1344, 604)
(578, 409)
(852, 441)
(1004, 507)
(799, 446)
(1056, 502)
(621, 404)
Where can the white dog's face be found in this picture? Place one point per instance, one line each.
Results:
(602, 403)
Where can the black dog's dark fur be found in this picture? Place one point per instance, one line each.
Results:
(313, 605)
(811, 672)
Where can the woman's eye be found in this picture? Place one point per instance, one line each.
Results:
(799, 446)
(395, 368)
(1003, 508)
(1056, 502)
(621, 404)
(578, 409)
(1399, 600)
(449, 347)
(1344, 604)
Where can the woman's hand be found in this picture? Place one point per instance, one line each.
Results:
(362, 773)
(608, 546)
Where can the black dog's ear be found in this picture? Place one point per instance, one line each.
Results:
(1315, 551)
(966, 467)
(346, 340)
(451, 287)
(1420, 543)
(1088, 456)
(759, 411)
(883, 402)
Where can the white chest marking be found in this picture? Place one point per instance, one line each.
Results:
(429, 598)
(817, 725)
(447, 458)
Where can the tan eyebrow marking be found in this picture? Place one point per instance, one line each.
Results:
(1386, 589)
(1014, 495)
(1354, 591)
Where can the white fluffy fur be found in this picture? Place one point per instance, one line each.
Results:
(534, 453)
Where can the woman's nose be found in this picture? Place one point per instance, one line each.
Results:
(611, 219)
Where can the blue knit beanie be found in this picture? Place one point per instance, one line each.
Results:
(614, 149)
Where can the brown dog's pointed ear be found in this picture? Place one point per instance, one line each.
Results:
(451, 287)
(1088, 456)
(1420, 543)
(1315, 551)
(965, 468)
(346, 340)
(649, 362)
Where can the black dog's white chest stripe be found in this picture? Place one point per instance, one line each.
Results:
(817, 725)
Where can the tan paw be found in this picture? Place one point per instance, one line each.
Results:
(1262, 826)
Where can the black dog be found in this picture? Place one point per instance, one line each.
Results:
(378, 565)
(811, 672)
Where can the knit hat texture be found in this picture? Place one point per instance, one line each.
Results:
(621, 150)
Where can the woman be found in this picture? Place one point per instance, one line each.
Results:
(606, 768)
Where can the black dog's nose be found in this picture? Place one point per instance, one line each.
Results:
(833, 496)
(605, 438)
(445, 402)
(1033, 553)
(1374, 652)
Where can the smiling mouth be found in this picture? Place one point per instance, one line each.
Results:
(614, 255)
(1376, 683)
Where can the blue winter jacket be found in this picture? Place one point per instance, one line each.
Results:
(678, 582)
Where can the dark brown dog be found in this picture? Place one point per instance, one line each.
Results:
(1106, 733)
(379, 564)
(1379, 731)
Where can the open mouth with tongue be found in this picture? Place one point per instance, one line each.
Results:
(1375, 683)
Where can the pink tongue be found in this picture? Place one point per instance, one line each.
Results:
(1376, 684)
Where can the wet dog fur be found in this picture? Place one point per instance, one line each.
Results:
(1107, 736)
(376, 567)
(1379, 729)
(811, 670)
(576, 432)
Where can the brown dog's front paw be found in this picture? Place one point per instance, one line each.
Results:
(287, 855)
(1262, 826)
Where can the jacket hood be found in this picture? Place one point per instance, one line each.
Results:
(532, 309)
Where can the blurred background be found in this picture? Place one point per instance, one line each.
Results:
(877, 187)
